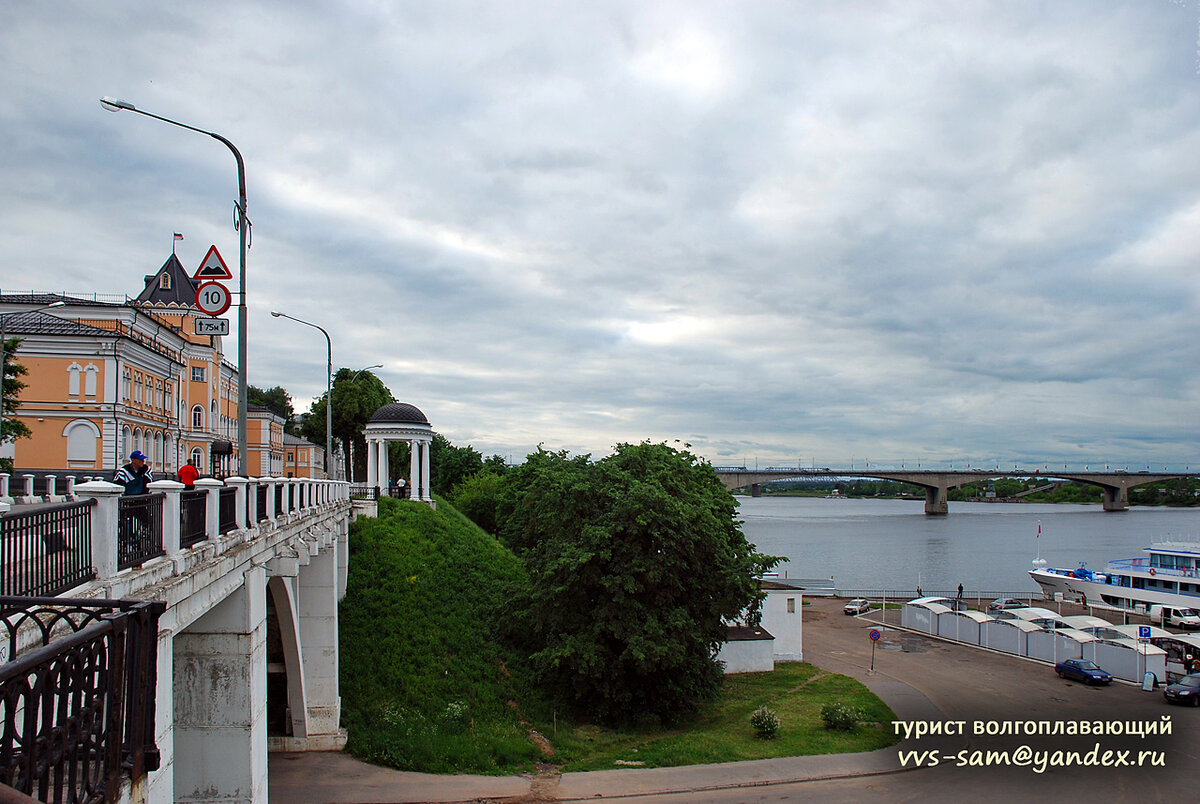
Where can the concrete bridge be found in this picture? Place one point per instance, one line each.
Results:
(937, 483)
(247, 644)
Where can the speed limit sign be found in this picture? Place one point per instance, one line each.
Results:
(212, 298)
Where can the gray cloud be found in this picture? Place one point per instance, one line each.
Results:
(820, 232)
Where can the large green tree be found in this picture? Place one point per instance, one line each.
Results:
(636, 562)
(356, 397)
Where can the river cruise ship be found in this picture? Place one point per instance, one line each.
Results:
(1168, 575)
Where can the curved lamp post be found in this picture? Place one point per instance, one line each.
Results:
(328, 387)
(4, 356)
(241, 224)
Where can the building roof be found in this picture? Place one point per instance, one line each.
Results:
(398, 413)
(776, 583)
(45, 323)
(296, 441)
(746, 633)
(181, 290)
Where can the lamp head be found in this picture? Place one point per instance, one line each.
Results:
(275, 314)
(116, 104)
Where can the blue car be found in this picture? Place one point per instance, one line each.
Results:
(1084, 670)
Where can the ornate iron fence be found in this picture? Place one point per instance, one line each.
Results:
(78, 707)
(227, 513)
(139, 529)
(47, 550)
(193, 517)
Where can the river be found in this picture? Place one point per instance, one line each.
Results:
(892, 544)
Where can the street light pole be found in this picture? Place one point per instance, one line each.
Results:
(4, 355)
(328, 387)
(242, 224)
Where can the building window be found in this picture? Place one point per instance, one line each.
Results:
(164, 281)
(89, 379)
(198, 458)
(197, 418)
(791, 605)
(81, 442)
(197, 373)
(73, 372)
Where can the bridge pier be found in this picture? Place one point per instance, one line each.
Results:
(756, 489)
(936, 501)
(1116, 498)
(220, 700)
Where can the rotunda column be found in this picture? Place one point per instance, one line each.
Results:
(426, 491)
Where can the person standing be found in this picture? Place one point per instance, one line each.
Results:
(135, 476)
(188, 474)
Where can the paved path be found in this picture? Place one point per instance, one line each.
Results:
(920, 678)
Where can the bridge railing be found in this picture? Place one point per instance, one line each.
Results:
(49, 550)
(73, 699)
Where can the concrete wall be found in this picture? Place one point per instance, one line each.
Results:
(748, 656)
(783, 616)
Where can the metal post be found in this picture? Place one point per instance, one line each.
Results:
(328, 386)
(242, 224)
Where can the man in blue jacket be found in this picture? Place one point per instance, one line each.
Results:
(135, 476)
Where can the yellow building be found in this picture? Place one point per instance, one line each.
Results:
(302, 458)
(105, 377)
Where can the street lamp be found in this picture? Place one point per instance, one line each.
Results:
(328, 386)
(4, 356)
(241, 223)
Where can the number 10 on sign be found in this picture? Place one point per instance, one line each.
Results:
(212, 298)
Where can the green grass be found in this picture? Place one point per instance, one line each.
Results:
(796, 691)
(426, 687)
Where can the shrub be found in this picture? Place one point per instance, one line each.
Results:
(765, 723)
(840, 716)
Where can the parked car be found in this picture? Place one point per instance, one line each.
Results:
(1004, 603)
(1185, 690)
(1084, 670)
(1175, 617)
(859, 605)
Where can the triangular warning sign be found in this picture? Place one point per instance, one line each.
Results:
(212, 268)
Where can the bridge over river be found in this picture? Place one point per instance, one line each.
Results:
(1115, 484)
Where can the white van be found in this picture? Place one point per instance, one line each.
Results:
(1177, 617)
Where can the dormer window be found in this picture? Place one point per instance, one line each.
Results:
(164, 281)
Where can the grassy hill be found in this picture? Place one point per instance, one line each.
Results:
(424, 686)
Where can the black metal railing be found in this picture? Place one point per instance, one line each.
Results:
(193, 517)
(279, 492)
(260, 504)
(47, 550)
(139, 529)
(364, 492)
(227, 510)
(78, 704)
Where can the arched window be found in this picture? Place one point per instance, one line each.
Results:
(198, 458)
(89, 379)
(81, 437)
(164, 281)
(73, 372)
(126, 443)
(197, 418)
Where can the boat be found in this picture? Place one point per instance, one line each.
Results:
(1168, 575)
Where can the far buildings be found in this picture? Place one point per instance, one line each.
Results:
(108, 375)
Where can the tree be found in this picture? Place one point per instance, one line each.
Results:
(450, 465)
(356, 397)
(636, 562)
(11, 386)
(279, 401)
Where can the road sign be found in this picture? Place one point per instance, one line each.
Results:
(212, 326)
(1143, 632)
(212, 268)
(212, 298)
(875, 635)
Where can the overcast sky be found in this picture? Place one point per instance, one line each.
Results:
(778, 231)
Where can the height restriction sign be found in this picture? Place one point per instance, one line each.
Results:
(212, 298)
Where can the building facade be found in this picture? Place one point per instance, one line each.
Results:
(106, 377)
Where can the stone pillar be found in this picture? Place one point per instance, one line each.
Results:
(319, 646)
(171, 511)
(426, 477)
(414, 469)
(252, 484)
(104, 525)
(240, 509)
(212, 510)
(371, 467)
(272, 490)
(69, 491)
(221, 700)
(51, 483)
(27, 488)
(4, 488)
